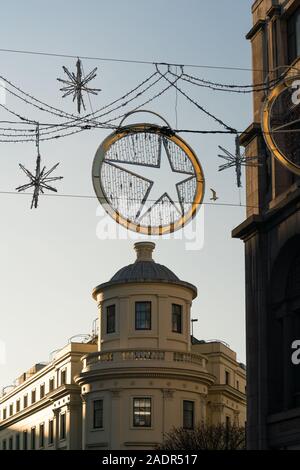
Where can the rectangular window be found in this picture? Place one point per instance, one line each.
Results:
(51, 384)
(293, 30)
(25, 401)
(33, 396)
(18, 442)
(227, 422)
(111, 319)
(98, 414)
(63, 377)
(4, 413)
(227, 377)
(62, 426)
(42, 435)
(18, 405)
(42, 391)
(11, 410)
(50, 432)
(25, 440)
(142, 412)
(237, 384)
(4, 445)
(10, 444)
(188, 414)
(33, 436)
(176, 318)
(143, 315)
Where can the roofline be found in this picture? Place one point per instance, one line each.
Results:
(108, 284)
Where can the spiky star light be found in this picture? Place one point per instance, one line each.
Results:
(77, 84)
(238, 160)
(39, 181)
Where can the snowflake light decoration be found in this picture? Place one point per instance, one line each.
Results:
(238, 160)
(40, 179)
(77, 84)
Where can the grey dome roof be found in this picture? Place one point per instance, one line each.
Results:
(145, 269)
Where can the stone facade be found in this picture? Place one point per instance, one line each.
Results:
(271, 234)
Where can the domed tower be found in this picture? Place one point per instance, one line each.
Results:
(143, 379)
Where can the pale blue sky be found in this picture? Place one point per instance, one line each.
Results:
(51, 258)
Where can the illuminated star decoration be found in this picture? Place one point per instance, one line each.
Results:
(40, 179)
(77, 84)
(238, 160)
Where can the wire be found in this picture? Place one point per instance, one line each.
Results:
(130, 61)
(86, 196)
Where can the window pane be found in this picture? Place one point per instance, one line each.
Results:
(18, 442)
(50, 432)
(33, 438)
(62, 431)
(98, 414)
(188, 414)
(42, 435)
(176, 318)
(143, 315)
(142, 412)
(294, 36)
(111, 319)
(25, 440)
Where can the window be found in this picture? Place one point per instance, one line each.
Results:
(25, 440)
(293, 29)
(4, 413)
(10, 444)
(188, 414)
(98, 414)
(33, 435)
(18, 442)
(62, 426)
(142, 412)
(227, 422)
(18, 405)
(11, 410)
(42, 435)
(143, 315)
(51, 384)
(111, 319)
(63, 377)
(4, 445)
(33, 396)
(227, 377)
(25, 401)
(42, 391)
(237, 384)
(50, 432)
(176, 318)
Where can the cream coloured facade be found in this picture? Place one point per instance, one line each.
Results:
(142, 377)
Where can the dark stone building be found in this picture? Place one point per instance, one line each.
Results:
(271, 233)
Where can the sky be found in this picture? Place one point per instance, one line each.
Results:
(52, 257)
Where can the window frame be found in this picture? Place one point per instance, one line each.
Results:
(42, 435)
(33, 396)
(42, 391)
(33, 438)
(138, 322)
(101, 410)
(50, 432)
(140, 426)
(292, 38)
(25, 440)
(177, 315)
(110, 330)
(184, 411)
(62, 426)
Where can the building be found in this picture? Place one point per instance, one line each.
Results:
(271, 234)
(142, 377)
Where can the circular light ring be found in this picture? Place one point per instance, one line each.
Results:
(117, 216)
(266, 124)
